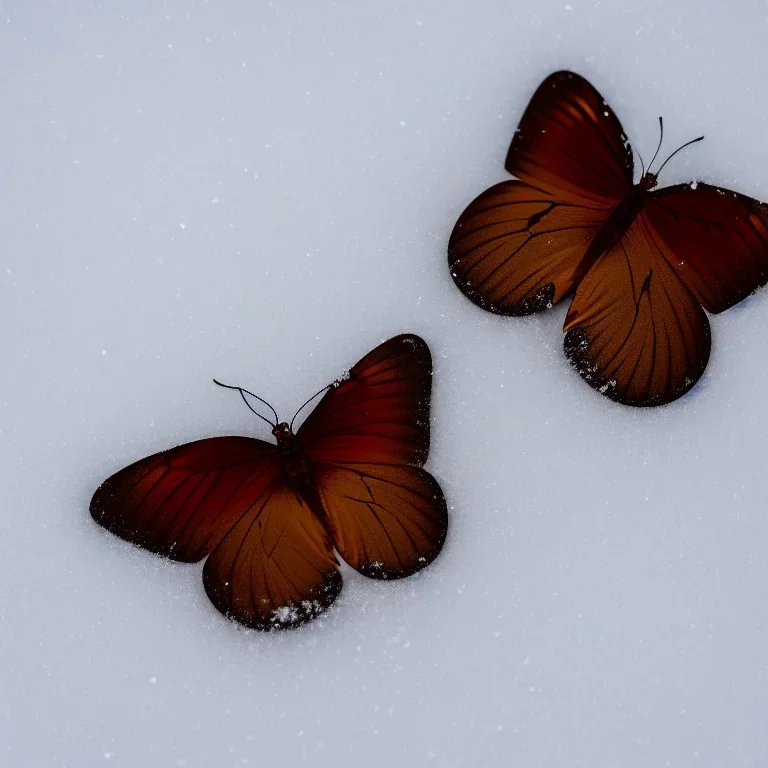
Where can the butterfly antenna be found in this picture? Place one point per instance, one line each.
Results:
(661, 138)
(243, 393)
(320, 392)
(640, 157)
(687, 144)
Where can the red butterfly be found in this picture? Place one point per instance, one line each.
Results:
(268, 517)
(639, 262)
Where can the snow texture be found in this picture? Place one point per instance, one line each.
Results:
(262, 192)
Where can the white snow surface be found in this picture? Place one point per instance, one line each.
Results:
(262, 192)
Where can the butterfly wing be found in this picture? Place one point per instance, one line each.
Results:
(571, 144)
(180, 503)
(515, 250)
(379, 412)
(275, 568)
(634, 331)
(367, 441)
(388, 521)
(715, 240)
(517, 247)
(271, 561)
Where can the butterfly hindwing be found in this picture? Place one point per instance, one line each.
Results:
(275, 568)
(367, 441)
(388, 521)
(634, 331)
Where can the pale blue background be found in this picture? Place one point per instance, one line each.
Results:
(262, 192)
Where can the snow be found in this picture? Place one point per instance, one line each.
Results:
(601, 598)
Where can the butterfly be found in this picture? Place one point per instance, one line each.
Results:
(642, 264)
(267, 516)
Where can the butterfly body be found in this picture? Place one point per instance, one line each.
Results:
(292, 455)
(641, 264)
(267, 517)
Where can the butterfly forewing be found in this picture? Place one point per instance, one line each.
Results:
(571, 145)
(715, 240)
(180, 503)
(380, 411)
(367, 440)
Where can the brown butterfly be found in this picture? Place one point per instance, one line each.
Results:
(640, 262)
(268, 516)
